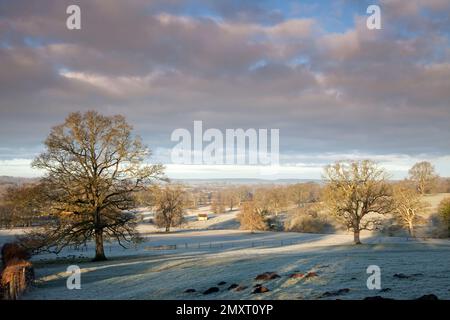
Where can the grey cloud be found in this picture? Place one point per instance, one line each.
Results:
(327, 92)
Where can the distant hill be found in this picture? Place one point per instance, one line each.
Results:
(16, 180)
(222, 182)
(7, 182)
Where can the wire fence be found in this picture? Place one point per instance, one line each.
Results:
(214, 245)
(228, 245)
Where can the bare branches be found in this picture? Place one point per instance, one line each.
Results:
(94, 166)
(408, 206)
(357, 192)
(424, 176)
(170, 202)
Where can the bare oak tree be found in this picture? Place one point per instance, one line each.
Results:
(261, 202)
(93, 167)
(424, 176)
(408, 206)
(170, 204)
(231, 198)
(277, 197)
(356, 192)
(218, 202)
(303, 193)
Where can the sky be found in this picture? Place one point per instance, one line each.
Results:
(335, 89)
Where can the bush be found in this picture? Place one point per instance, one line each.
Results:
(251, 219)
(15, 279)
(13, 251)
(307, 223)
(391, 228)
(274, 224)
(17, 274)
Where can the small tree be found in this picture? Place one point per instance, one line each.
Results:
(444, 212)
(408, 205)
(170, 204)
(357, 191)
(94, 166)
(231, 198)
(277, 197)
(243, 193)
(261, 201)
(251, 218)
(218, 203)
(303, 193)
(424, 176)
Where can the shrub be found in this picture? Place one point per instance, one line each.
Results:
(251, 218)
(17, 274)
(274, 223)
(302, 221)
(16, 279)
(13, 251)
(391, 228)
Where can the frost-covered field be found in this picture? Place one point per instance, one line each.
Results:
(203, 258)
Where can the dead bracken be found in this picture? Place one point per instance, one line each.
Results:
(267, 276)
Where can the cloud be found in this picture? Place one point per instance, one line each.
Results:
(256, 64)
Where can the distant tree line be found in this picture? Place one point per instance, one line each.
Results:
(356, 194)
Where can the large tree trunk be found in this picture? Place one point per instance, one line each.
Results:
(411, 229)
(99, 250)
(422, 188)
(356, 237)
